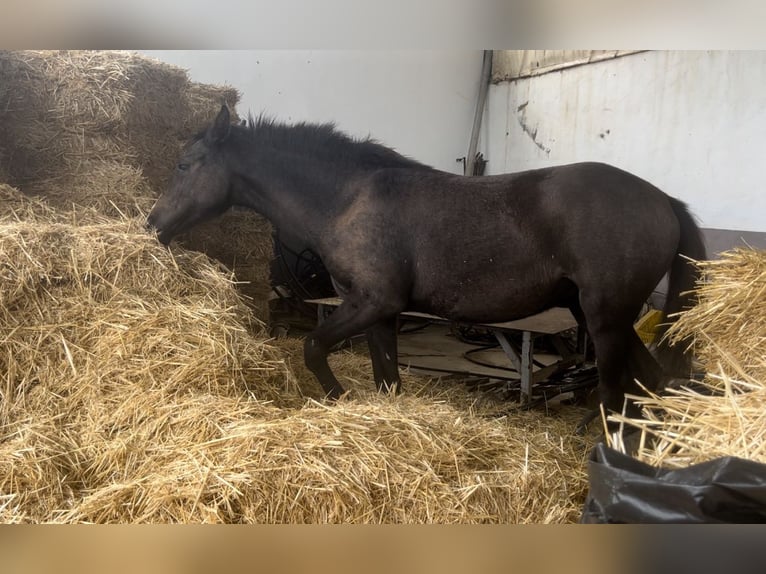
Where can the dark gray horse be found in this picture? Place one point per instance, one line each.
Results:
(398, 235)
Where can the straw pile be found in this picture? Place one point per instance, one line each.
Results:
(15, 206)
(724, 415)
(103, 130)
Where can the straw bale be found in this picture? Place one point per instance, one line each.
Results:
(242, 240)
(722, 415)
(89, 89)
(60, 108)
(102, 130)
(90, 294)
(108, 188)
(195, 109)
(95, 316)
(23, 104)
(105, 302)
(160, 123)
(201, 100)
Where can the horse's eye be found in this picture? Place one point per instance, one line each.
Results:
(183, 166)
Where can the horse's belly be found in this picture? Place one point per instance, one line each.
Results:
(480, 300)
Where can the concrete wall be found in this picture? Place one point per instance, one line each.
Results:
(692, 123)
(419, 102)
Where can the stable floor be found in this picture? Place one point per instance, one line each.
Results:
(437, 350)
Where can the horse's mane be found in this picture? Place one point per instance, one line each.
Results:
(323, 141)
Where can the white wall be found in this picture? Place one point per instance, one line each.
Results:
(692, 123)
(419, 102)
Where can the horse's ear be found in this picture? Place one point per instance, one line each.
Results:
(221, 127)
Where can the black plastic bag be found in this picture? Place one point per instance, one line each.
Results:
(623, 490)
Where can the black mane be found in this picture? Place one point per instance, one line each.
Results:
(323, 141)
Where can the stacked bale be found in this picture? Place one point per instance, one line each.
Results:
(104, 130)
(723, 415)
(65, 111)
(241, 240)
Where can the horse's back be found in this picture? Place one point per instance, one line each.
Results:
(581, 203)
(495, 242)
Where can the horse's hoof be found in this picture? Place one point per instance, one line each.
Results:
(582, 426)
(390, 389)
(334, 395)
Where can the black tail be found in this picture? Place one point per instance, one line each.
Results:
(676, 359)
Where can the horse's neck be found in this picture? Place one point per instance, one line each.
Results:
(293, 193)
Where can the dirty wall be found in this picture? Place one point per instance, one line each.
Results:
(691, 122)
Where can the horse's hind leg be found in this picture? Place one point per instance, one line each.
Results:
(643, 366)
(611, 358)
(610, 327)
(383, 344)
(622, 359)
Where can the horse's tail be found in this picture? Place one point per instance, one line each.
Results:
(676, 359)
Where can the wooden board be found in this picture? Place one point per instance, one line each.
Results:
(434, 349)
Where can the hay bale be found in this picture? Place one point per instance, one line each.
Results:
(102, 130)
(242, 241)
(723, 415)
(61, 108)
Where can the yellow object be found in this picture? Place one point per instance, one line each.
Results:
(646, 326)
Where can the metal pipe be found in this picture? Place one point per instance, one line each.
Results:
(486, 71)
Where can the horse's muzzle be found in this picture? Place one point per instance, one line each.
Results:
(162, 235)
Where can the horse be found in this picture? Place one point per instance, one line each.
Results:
(396, 235)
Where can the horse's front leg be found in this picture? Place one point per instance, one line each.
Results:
(384, 352)
(349, 319)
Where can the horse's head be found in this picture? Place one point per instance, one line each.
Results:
(200, 187)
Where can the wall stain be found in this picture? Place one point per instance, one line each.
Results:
(521, 116)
